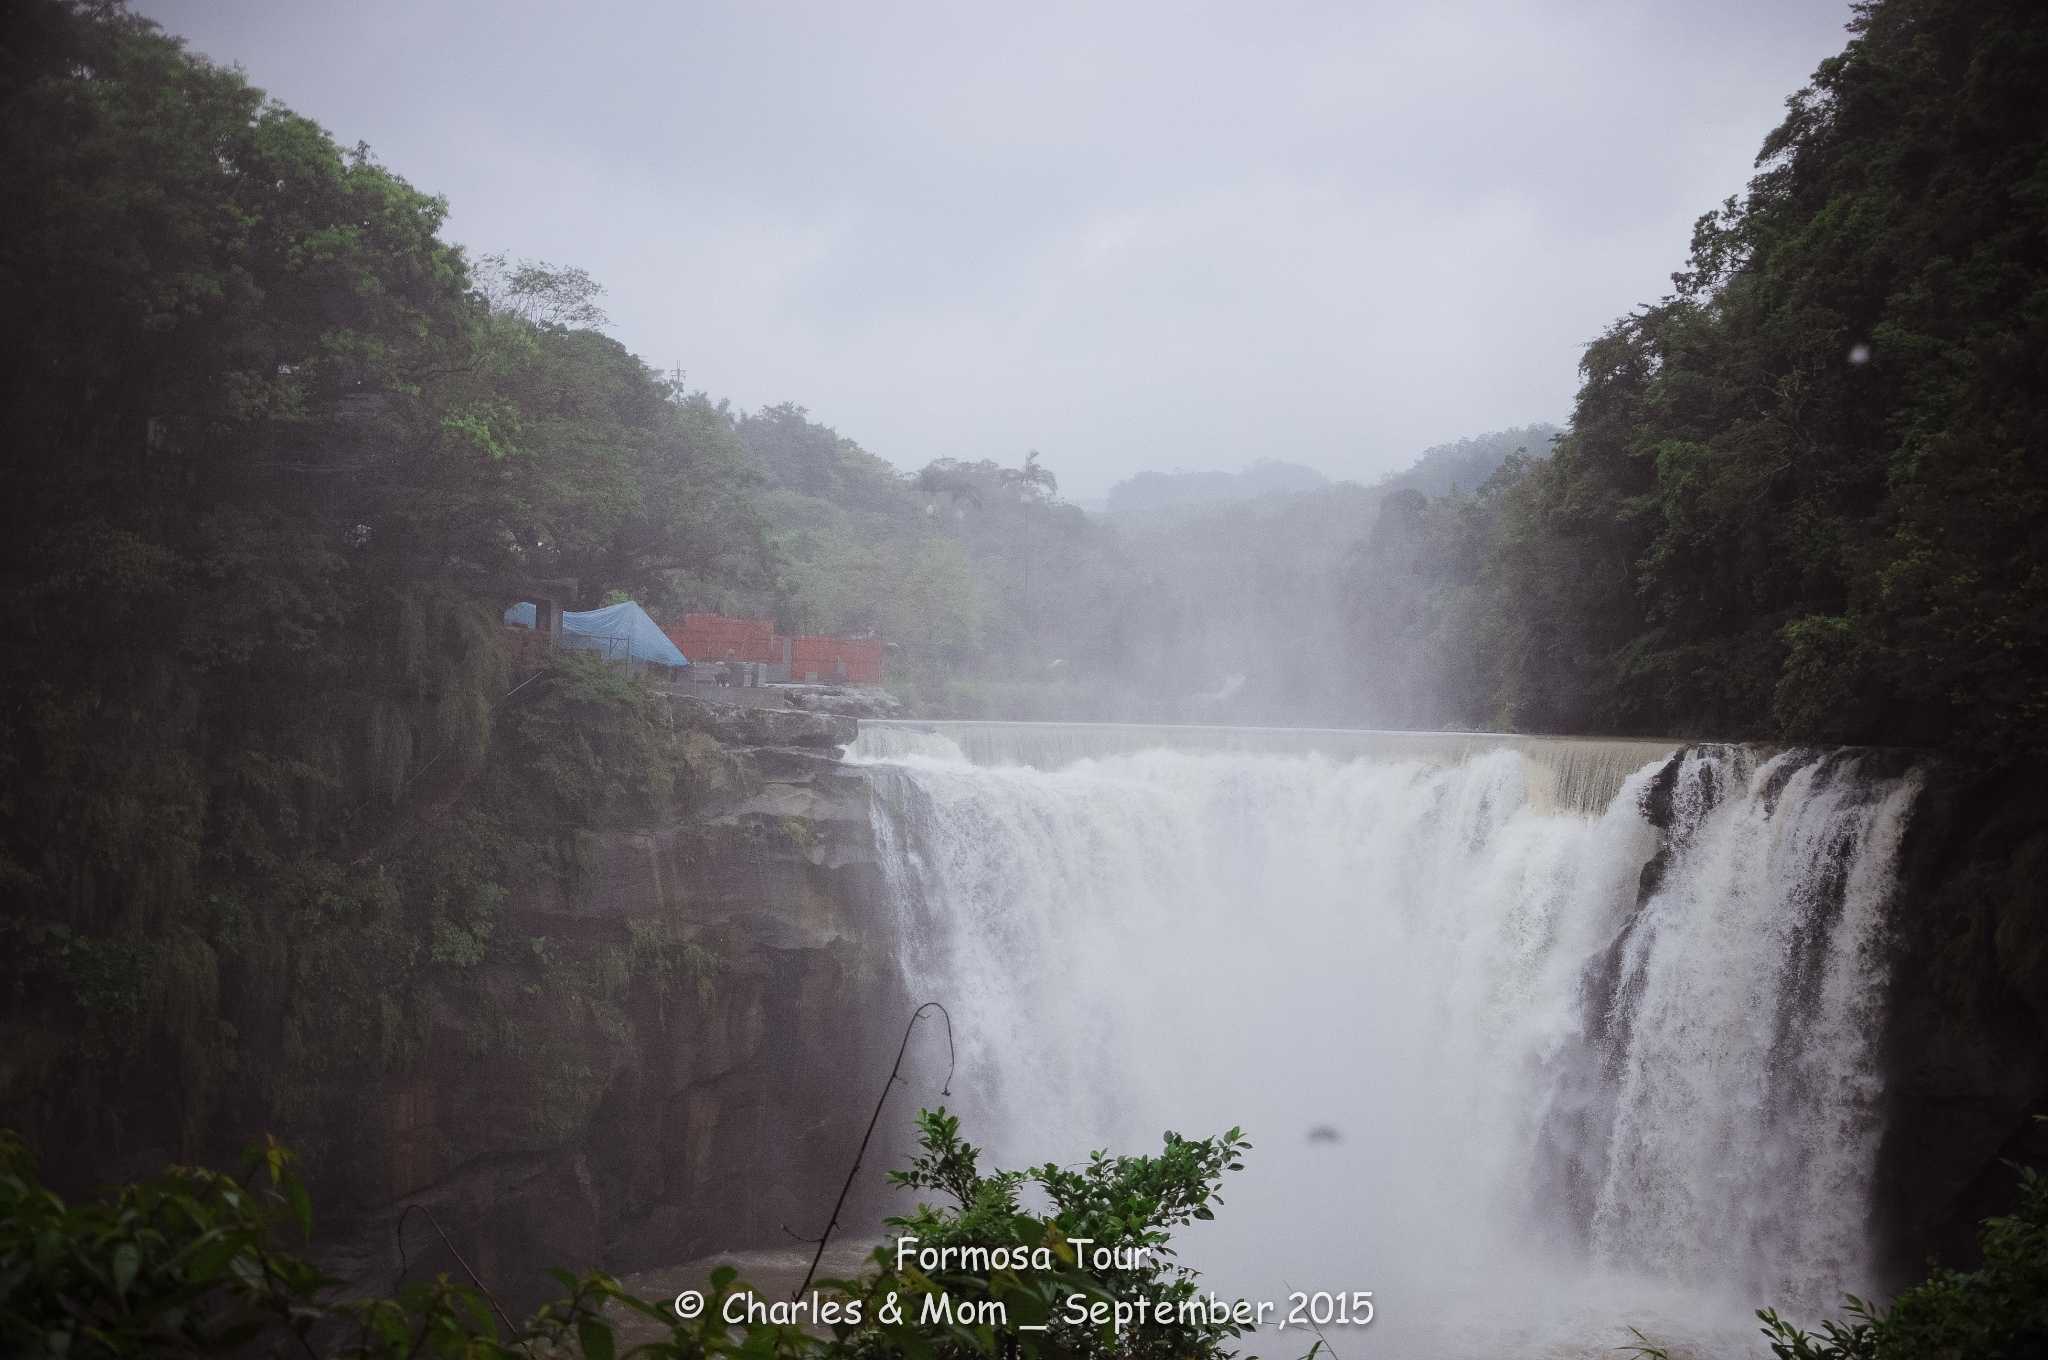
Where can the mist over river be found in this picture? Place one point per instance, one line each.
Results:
(1536, 1041)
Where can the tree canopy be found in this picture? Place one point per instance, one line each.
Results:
(277, 465)
(1804, 495)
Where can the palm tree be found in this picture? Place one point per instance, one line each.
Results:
(1031, 480)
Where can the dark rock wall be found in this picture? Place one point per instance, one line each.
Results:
(744, 1009)
(1967, 1043)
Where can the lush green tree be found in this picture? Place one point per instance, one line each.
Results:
(1804, 496)
(1124, 1208)
(1566, 558)
(844, 522)
(606, 473)
(938, 607)
(221, 328)
(973, 572)
(276, 469)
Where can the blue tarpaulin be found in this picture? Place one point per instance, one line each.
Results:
(623, 632)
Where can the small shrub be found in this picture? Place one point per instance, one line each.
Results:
(1996, 1312)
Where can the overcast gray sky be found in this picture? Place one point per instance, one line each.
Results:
(1130, 235)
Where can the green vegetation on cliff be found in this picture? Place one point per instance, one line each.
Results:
(1998, 1310)
(973, 572)
(276, 467)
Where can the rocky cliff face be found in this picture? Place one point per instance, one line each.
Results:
(1967, 1042)
(722, 1008)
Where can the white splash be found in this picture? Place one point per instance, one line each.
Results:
(1558, 1112)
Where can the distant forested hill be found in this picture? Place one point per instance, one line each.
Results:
(1168, 496)
(1466, 464)
(1240, 608)
(1154, 491)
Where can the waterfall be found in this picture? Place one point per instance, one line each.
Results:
(1533, 1048)
(1563, 771)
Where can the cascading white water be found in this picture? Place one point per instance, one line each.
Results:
(1494, 1072)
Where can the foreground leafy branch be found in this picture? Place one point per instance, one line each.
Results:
(1997, 1310)
(188, 1265)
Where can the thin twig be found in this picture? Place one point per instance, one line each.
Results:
(887, 1086)
(495, 1307)
(417, 774)
(1313, 1326)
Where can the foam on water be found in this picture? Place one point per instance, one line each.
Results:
(1564, 1102)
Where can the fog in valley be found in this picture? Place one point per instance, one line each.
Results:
(1268, 596)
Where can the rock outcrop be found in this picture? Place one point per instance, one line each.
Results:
(848, 703)
(725, 1007)
(747, 726)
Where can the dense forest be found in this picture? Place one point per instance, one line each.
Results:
(280, 455)
(1805, 496)
(278, 459)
